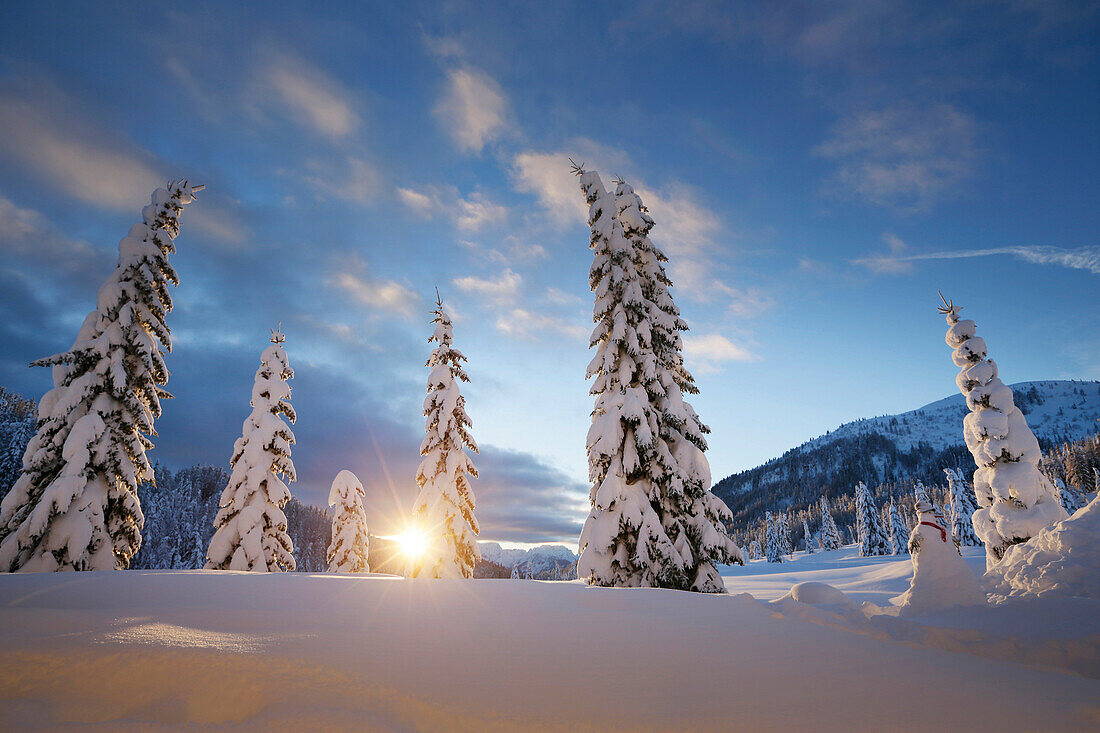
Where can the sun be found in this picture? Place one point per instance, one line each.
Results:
(413, 543)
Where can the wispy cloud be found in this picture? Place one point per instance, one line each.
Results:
(547, 176)
(351, 275)
(469, 214)
(521, 323)
(474, 109)
(26, 234)
(309, 96)
(904, 156)
(502, 289)
(1084, 258)
(706, 353)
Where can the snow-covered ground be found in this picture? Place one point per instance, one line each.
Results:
(125, 650)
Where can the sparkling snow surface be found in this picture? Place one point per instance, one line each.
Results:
(119, 650)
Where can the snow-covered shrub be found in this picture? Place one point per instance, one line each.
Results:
(444, 508)
(251, 526)
(350, 546)
(1016, 500)
(76, 505)
(654, 520)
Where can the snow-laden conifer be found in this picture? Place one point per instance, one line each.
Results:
(773, 549)
(899, 535)
(76, 506)
(251, 526)
(349, 549)
(444, 508)
(807, 538)
(1069, 497)
(783, 527)
(654, 520)
(872, 536)
(963, 505)
(754, 550)
(1016, 499)
(830, 534)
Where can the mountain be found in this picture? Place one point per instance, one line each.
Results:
(895, 450)
(545, 562)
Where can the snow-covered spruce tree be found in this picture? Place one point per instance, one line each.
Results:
(830, 535)
(783, 526)
(444, 508)
(872, 537)
(1016, 500)
(754, 550)
(349, 549)
(75, 506)
(654, 521)
(773, 548)
(807, 538)
(899, 535)
(1070, 498)
(251, 526)
(963, 506)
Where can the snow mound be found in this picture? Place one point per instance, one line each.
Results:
(816, 594)
(1063, 560)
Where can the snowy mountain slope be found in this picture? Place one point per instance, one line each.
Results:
(544, 562)
(897, 449)
(1056, 411)
(293, 651)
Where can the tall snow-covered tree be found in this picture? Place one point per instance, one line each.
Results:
(963, 506)
(773, 549)
(251, 526)
(783, 528)
(807, 538)
(1016, 499)
(653, 520)
(348, 552)
(444, 508)
(830, 534)
(75, 506)
(872, 537)
(899, 534)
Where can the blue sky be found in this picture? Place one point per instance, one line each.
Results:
(817, 171)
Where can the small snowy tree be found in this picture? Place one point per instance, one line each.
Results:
(754, 550)
(653, 520)
(872, 537)
(784, 527)
(774, 545)
(963, 506)
(807, 538)
(899, 535)
(1016, 500)
(75, 506)
(348, 552)
(830, 535)
(251, 526)
(444, 508)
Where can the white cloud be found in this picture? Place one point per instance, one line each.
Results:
(351, 276)
(905, 156)
(548, 176)
(309, 96)
(26, 234)
(474, 109)
(1083, 258)
(520, 323)
(706, 353)
(469, 214)
(53, 139)
(503, 289)
(348, 178)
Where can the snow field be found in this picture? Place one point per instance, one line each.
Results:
(124, 650)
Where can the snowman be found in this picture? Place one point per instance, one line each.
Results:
(941, 578)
